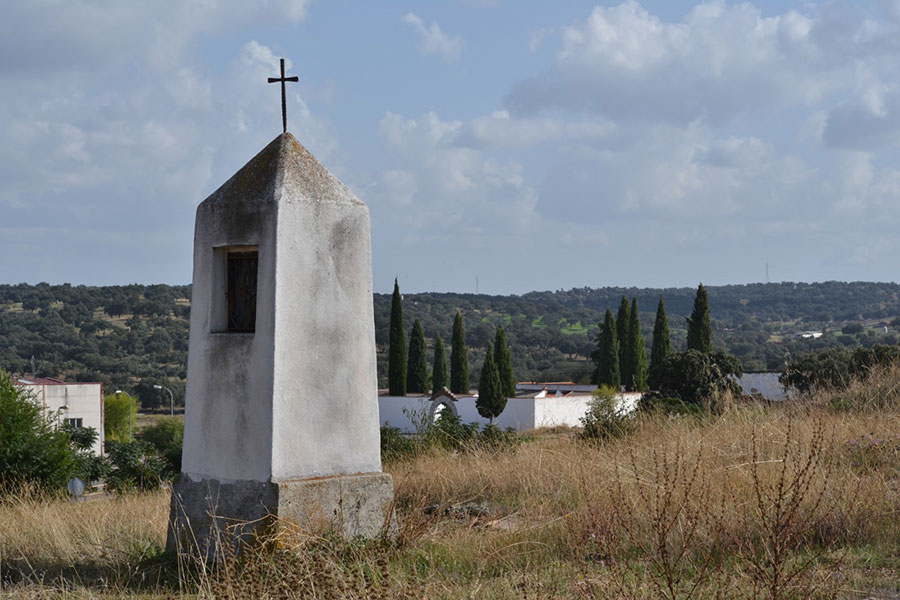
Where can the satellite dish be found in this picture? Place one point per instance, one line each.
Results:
(75, 487)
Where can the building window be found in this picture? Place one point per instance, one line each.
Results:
(76, 423)
(241, 280)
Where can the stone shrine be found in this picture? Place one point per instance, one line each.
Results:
(281, 409)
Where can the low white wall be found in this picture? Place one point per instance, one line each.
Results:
(554, 412)
(520, 413)
(399, 411)
(628, 401)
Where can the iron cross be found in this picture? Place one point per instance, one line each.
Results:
(282, 79)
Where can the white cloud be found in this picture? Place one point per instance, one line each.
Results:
(189, 90)
(447, 187)
(294, 10)
(725, 136)
(498, 130)
(738, 153)
(109, 116)
(679, 178)
(433, 40)
(537, 38)
(860, 125)
(74, 36)
(720, 62)
(727, 132)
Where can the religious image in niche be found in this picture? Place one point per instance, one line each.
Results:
(242, 268)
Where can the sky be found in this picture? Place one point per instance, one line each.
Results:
(502, 146)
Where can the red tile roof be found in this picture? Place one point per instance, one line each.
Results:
(50, 381)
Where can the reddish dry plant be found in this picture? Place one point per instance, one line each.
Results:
(663, 524)
(777, 534)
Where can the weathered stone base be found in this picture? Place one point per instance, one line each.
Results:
(209, 517)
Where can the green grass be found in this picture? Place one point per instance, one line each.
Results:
(575, 328)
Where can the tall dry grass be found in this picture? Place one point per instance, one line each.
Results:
(48, 539)
(762, 501)
(790, 501)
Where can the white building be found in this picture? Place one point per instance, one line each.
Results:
(809, 335)
(69, 403)
(763, 385)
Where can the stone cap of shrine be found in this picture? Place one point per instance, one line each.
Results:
(282, 171)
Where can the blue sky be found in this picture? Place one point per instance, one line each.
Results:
(533, 145)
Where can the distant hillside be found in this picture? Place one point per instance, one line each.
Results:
(130, 337)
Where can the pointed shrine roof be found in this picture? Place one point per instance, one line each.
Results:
(283, 171)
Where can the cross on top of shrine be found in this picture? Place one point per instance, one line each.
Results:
(283, 79)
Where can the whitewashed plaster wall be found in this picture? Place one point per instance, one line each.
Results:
(554, 412)
(520, 413)
(401, 412)
(296, 397)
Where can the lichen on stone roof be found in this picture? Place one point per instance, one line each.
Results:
(283, 171)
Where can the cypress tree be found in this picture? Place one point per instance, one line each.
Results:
(503, 360)
(439, 376)
(491, 400)
(623, 322)
(662, 346)
(397, 347)
(459, 358)
(699, 333)
(606, 356)
(417, 367)
(637, 350)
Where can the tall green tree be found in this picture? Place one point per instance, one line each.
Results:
(606, 356)
(459, 358)
(439, 376)
(503, 360)
(491, 400)
(637, 350)
(119, 411)
(31, 448)
(699, 377)
(699, 333)
(417, 367)
(397, 347)
(623, 321)
(662, 345)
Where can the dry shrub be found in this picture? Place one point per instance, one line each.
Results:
(878, 391)
(313, 568)
(781, 528)
(661, 526)
(756, 503)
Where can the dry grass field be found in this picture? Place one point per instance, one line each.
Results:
(792, 501)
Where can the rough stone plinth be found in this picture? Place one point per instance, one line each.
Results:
(209, 515)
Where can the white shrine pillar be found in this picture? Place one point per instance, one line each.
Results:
(281, 409)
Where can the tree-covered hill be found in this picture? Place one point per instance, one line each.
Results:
(130, 337)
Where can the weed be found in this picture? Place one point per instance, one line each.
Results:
(662, 524)
(604, 418)
(789, 504)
